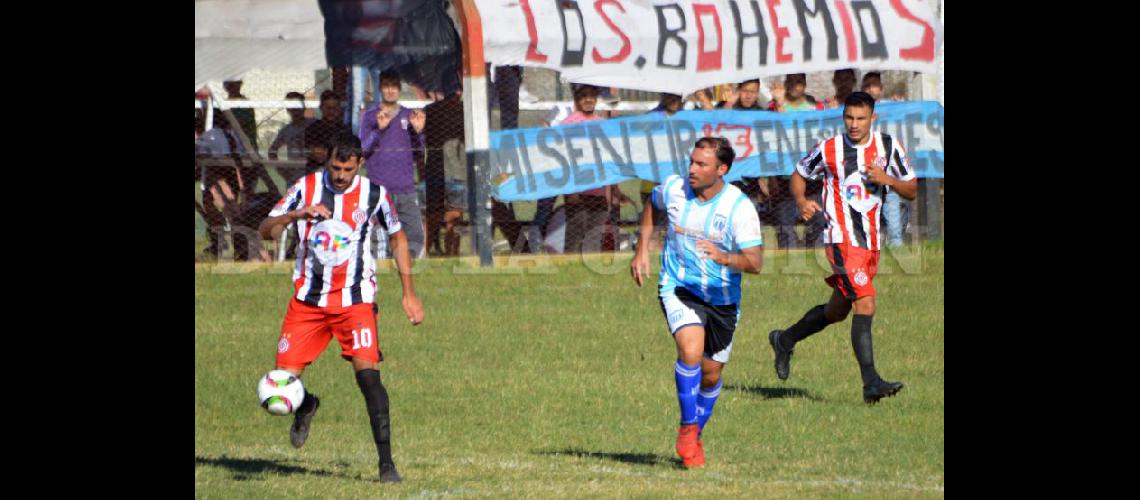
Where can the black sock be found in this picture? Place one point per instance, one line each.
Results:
(861, 342)
(376, 399)
(812, 322)
(307, 403)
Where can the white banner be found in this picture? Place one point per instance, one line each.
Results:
(680, 46)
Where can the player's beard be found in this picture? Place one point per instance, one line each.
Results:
(698, 188)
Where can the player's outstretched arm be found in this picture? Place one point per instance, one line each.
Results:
(411, 304)
(639, 267)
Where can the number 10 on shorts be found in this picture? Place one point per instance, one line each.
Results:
(363, 338)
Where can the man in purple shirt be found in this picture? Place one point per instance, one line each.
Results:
(389, 133)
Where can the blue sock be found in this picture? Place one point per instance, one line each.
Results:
(706, 398)
(688, 383)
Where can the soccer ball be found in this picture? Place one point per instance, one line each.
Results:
(280, 392)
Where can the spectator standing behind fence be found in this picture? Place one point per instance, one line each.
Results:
(560, 112)
(789, 98)
(898, 93)
(199, 129)
(746, 97)
(588, 211)
(790, 95)
(873, 85)
(701, 99)
(292, 136)
(221, 181)
(445, 172)
(508, 91)
(544, 207)
(844, 82)
(669, 105)
(319, 134)
(389, 133)
(245, 116)
(229, 176)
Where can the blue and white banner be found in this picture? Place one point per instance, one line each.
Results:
(528, 164)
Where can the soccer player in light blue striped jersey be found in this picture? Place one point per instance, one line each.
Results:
(713, 236)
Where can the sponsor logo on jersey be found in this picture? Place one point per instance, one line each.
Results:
(690, 233)
(859, 196)
(331, 242)
(855, 193)
(719, 223)
(327, 241)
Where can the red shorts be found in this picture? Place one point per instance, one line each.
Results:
(308, 329)
(854, 270)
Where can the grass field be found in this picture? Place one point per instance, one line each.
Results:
(556, 380)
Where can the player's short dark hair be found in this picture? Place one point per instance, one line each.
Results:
(724, 151)
(859, 99)
(389, 76)
(344, 146)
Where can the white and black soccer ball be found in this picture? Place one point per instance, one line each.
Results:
(280, 392)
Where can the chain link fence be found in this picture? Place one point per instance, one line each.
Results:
(255, 137)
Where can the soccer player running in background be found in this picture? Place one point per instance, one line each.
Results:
(855, 167)
(713, 235)
(334, 283)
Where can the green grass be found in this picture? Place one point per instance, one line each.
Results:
(557, 381)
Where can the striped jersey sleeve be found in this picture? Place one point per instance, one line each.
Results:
(661, 191)
(812, 165)
(657, 196)
(898, 164)
(385, 211)
(292, 200)
(746, 225)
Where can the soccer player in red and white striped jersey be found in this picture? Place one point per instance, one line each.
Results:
(335, 284)
(856, 168)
